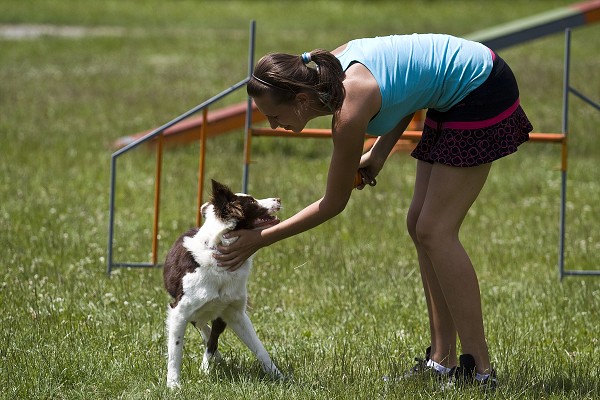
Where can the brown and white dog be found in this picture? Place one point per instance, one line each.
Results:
(203, 291)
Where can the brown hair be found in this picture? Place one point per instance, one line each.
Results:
(284, 75)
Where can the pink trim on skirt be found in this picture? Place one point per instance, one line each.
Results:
(471, 147)
(474, 124)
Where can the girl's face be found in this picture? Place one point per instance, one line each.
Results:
(285, 115)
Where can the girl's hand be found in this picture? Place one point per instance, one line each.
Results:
(369, 170)
(367, 178)
(244, 244)
(373, 160)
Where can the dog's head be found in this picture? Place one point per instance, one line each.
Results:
(240, 211)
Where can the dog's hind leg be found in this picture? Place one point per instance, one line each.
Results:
(218, 327)
(176, 323)
(243, 328)
(204, 330)
(212, 343)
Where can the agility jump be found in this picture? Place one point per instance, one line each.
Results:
(182, 129)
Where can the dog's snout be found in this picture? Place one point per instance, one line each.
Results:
(274, 204)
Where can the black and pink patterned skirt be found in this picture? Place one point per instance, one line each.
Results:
(486, 125)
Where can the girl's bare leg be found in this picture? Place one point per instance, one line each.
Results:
(441, 325)
(450, 282)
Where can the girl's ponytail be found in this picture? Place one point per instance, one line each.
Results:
(330, 78)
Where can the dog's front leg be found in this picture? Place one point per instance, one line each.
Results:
(176, 324)
(243, 328)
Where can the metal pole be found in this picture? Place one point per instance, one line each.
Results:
(157, 181)
(131, 146)
(568, 90)
(565, 130)
(201, 166)
(247, 133)
(111, 214)
(151, 135)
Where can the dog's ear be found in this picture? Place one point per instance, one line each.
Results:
(203, 209)
(221, 194)
(225, 202)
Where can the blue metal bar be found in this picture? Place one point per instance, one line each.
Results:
(145, 138)
(565, 130)
(111, 214)
(149, 136)
(517, 32)
(135, 265)
(567, 89)
(247, 138)
(582, 272)
(180, 118)
(585, 98)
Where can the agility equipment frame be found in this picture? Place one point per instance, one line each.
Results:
(568, 89)
(534, 137)
(250, 131)
(158, 134)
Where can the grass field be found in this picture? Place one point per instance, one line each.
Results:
(338, 307)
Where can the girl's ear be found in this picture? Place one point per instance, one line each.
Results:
(302, 99)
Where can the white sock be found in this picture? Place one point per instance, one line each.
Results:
(481, 377)
(438, 367)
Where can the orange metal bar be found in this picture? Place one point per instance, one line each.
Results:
(407, 135)
(157, 179)
(201, 165)
(306, 133)
(317, 133)
(547, 137)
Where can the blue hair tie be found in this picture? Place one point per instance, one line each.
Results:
(305, 57)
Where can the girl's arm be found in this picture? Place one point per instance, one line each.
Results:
(348, 141)
(348, 132)
(373, 160)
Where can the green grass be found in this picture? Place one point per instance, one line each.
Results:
(337, 307)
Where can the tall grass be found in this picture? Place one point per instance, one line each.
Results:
(338, 307)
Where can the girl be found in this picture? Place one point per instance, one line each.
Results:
(374, 86)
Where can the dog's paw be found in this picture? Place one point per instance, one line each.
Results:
(210, 359)
(205, 366)
(275, 374)
(173, 384)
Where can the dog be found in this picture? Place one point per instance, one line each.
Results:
(204, 292)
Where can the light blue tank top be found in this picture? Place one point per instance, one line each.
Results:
(418, 71)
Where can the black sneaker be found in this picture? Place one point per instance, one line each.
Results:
(464, 374)
(489, 383)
